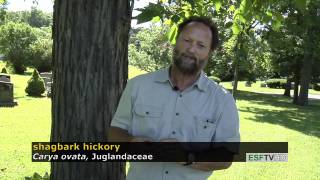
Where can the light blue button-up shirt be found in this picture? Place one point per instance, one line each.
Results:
(150, 107)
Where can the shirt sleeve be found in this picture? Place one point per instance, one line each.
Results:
(123, 116)
(227, 129)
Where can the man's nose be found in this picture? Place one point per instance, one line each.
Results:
(192, 48)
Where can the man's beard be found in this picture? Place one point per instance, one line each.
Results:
(187, 64)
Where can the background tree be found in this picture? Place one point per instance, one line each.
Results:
(35, 17)
(3, 4)
(15, 41)
(41, 50)
(90, 70)
(38, 18)
(150, 49)
(297, 41)
(308, 10)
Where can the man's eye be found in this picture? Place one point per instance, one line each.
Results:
(201, 46)
(186, 40)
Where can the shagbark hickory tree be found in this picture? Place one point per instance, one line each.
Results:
(90, 70)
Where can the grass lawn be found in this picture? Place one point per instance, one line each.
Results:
(263, 117)
(255, 87)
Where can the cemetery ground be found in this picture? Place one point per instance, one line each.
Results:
(263, 117)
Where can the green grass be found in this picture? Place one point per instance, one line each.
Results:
(133, 71)
(19, 126)
(263, 117)
(274, 118)
(255, 87)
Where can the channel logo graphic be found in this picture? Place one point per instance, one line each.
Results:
(266, 157)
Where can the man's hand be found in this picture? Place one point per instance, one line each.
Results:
(168, 140)
(140, 139)
(203, 166)
(210, 166)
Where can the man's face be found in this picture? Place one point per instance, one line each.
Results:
(193, 48)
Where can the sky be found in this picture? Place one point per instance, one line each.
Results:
(21, 5)
(47, 6)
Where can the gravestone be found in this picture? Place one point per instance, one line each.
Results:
(49, 89)
(248, 84)
(46, 75)
(4, 77)
(263, 84)
(6, 94)
(46, 81)
(47, 78)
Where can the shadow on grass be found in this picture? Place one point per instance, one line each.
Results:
(27, 97)
(303, 119)
(27, 73)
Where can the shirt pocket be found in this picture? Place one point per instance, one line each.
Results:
(146, 121)
(205, 128)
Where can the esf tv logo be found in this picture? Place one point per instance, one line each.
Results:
(266, 157)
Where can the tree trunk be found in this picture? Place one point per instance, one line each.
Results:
(296, 90)
(235, 79)
(305, 72)
(90, 70)
(287, 88)
(236, 66)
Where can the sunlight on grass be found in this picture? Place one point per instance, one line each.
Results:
(133, 72)
(255, 87)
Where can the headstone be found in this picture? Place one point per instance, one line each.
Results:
(263, 84)
(46, 75)
(47, 78)
(292, 85)
(248, 84)
(6, 94)
(48, 89)
(4, 77)
(46, 81)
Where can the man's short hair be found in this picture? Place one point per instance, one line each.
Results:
(206, 21)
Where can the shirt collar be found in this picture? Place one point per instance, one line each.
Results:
(201, 82)
(163, 76)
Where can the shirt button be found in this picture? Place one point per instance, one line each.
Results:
(177, 114)
(173, 132)
(180, 95)
(204, 127)
(167, 172)
(147, 112)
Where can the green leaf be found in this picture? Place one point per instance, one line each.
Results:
(167, 22)
(149, 12)
(269, 13)
(156, 19)
(278, 16)
(175, 18)
(301, 4)
(228, 24)
(191, 2)
(173, 33)
(242, 19)
(276, 25)
(235, 28)
(217, 5)
(231, 8)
